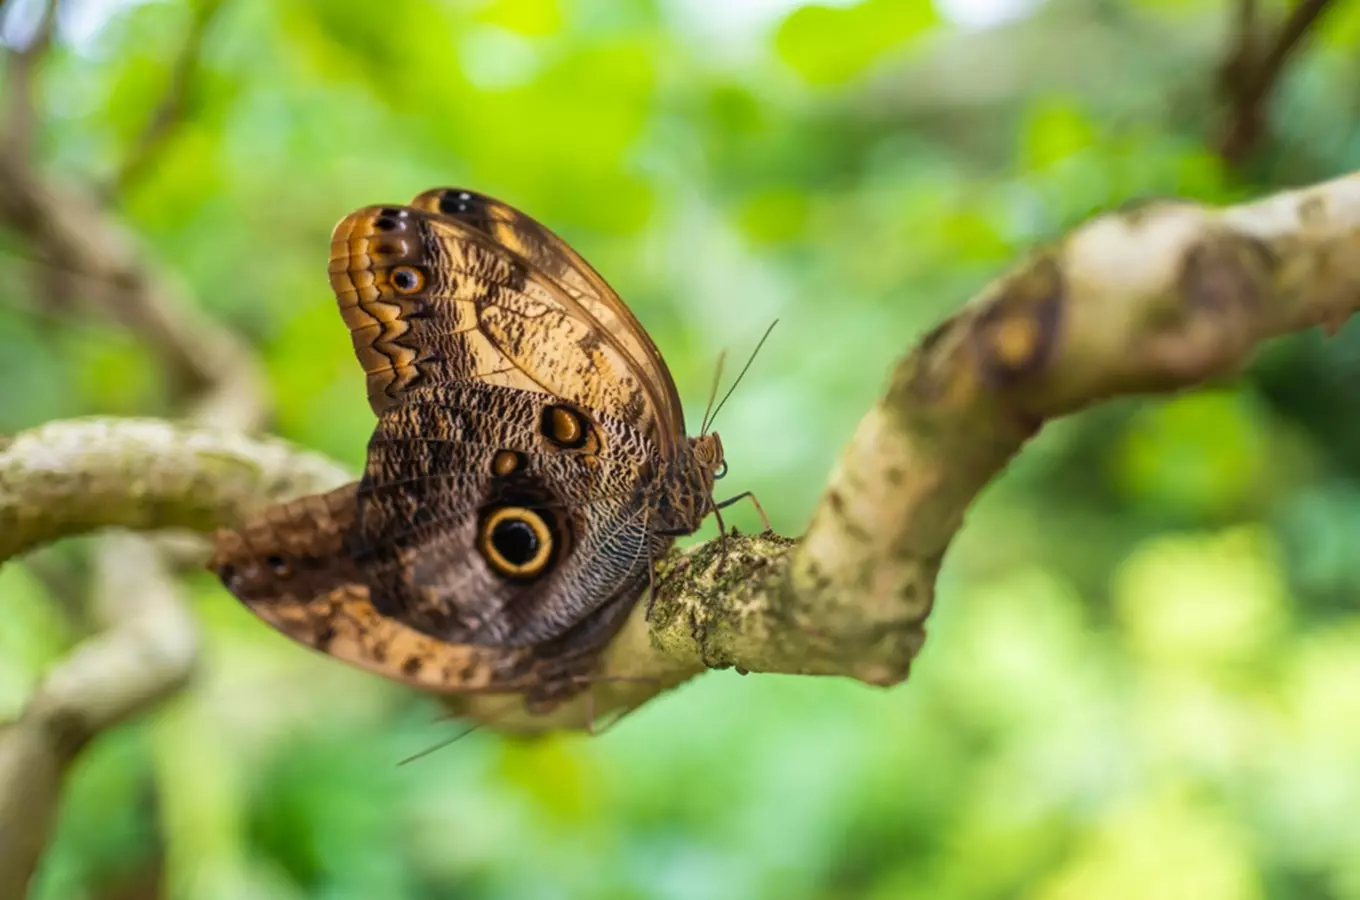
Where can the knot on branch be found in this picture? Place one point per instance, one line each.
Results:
(1014, 335)
(1208, 325)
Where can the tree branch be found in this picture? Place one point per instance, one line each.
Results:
(1248, 77)
(139, 474)
(169, 113)
(78, 475)
(20, 117)
(145, 653)
(203, 359)
(73, 227)
(1146, 300)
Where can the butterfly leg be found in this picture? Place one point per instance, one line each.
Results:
(765, 520)
(651, 587)
(592, 724)
(722, 541)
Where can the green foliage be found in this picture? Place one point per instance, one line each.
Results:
(827, 45)
(1142, 673)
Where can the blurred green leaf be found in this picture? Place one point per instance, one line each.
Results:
(828, 45)
(1055, 130)
(107, 833)
(1171, 845)
(1203, 602)
(774, 216)
(533, 18)
(34, 636)
(1200, 454)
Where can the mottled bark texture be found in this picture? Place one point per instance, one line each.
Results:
(1149, 299)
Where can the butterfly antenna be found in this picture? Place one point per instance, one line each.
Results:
(460, 735)
(713, 391)
(740, 375)
(441, 745)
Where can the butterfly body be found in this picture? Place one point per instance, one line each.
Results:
(528, 467)
(681, 497)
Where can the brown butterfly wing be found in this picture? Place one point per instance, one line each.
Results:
(432, 300)
(291, 566)
(532, 241)
(500, 533)
(471, 349)
(477, 525)
(288, 565)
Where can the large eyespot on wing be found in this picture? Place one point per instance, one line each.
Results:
(289, 567)
(476, 526)
(430, 300)
(545, 251)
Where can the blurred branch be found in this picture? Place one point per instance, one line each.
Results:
(1148, 300)
(145, 652)
(1249, 75)
(142, 474)
(169, 113)
(148, 643)
(20, 116)
(960, 83)
(82, 241)
(203, 358)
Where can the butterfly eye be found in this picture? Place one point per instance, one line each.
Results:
(721, 472)
(279, 566)
(516, 542)
(407, 279)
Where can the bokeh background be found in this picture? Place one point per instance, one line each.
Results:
(1143, 673)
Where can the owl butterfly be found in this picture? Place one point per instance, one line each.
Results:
(529, 463)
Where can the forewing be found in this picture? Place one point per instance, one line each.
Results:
(430, 300)
(532, 241)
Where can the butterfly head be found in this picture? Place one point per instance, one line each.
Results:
(707, 451)
(709, 465)
(682, 495)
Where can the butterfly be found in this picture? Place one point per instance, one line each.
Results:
(528, 467)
